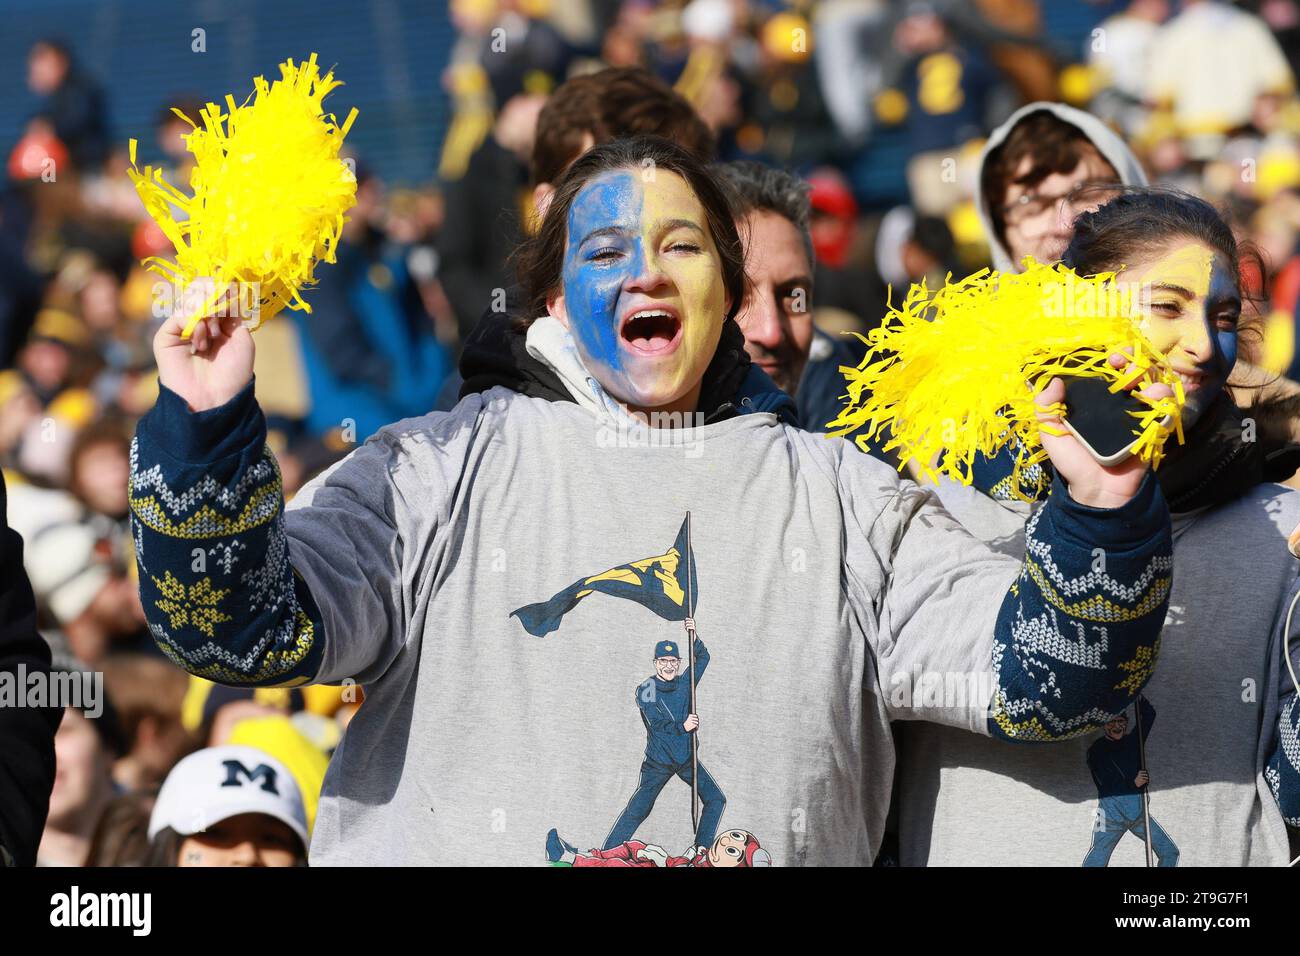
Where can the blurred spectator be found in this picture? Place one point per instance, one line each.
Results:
(1040, 169)
(1012, 31)
(504, 46)
(369, 346)
(73, 105)
(943, 95)
(87, 594)
(99, 469)
(788, 119)
(843, 274)
(853, 45)
(121, 836)
(147, 692)
(1209, 67)
(911, 249)
(1118, 55)
(46, 399)
(228, 806)
(487, 211)
(85, 747)
(523, 50)
(1283, 19)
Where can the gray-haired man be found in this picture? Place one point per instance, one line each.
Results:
(773, 214)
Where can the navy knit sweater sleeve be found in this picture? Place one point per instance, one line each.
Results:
(1282, 771)
(1078, 634)
(207, 511)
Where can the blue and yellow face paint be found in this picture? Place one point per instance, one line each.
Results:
(642, 288)
(1190, 306)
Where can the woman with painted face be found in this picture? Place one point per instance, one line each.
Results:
(493, 575)
(1204, 769)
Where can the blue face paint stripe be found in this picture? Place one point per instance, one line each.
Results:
(592, 288)
(1225, 342)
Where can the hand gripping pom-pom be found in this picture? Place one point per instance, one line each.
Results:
(953, 373)
(270, 193)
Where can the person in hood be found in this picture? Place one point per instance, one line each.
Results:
(1222, 775)
(421, 565)
(1041, 168)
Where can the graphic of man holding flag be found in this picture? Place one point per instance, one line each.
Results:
(1118, 763)
(670, 750)
(667, 585)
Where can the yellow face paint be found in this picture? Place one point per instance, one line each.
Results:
(1189, 268)
(697, 276)
(1188, 303)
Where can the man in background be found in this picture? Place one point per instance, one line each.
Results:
(773, 214)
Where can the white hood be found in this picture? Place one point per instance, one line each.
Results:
(551, 343)
(1107, 141)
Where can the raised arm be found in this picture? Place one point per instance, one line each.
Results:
(1078, 634)
(234, 589)
(1041, 651)
(207, 510)
(701, 658)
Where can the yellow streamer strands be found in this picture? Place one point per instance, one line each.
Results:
(270, 192)
(952, 373)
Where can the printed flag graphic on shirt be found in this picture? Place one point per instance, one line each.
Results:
(658, 583)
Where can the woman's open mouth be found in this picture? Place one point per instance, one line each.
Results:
(1192, 381)
(651, 331)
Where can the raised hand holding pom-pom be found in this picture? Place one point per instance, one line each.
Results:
(214, 364)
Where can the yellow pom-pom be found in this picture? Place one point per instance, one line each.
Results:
(270, 193)
(953, 373)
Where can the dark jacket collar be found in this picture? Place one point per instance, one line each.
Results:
(1225, 455)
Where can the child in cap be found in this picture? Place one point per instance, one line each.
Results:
(228, 806)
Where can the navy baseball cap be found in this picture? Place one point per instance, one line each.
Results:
(667, 649)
